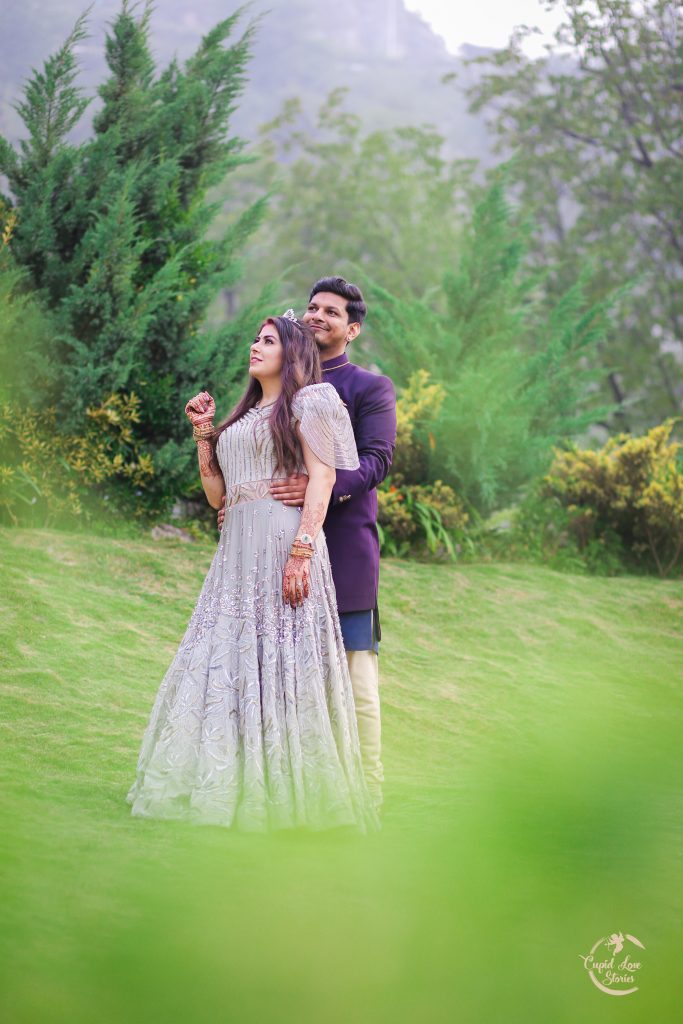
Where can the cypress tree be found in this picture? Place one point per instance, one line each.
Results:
(113, 232)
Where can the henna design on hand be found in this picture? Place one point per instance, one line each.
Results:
(294, 569)
(312, 518)
(201, 409)
(207, 463)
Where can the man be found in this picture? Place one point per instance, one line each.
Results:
(336, 311)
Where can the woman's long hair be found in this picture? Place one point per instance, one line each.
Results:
(300, 366)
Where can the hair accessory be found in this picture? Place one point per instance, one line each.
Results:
(290, 315)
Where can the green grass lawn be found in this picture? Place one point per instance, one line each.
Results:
(531, 729)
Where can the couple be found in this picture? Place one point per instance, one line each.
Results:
(268, 716)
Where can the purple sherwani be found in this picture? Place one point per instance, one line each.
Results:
(351, 522)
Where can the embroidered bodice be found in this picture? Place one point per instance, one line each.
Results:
(246, 452)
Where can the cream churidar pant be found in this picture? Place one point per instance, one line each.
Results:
(364, 672)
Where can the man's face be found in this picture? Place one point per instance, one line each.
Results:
(327, 315)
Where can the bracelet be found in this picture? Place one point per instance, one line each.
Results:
(202, 431)
(299, 550)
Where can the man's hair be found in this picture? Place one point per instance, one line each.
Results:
(355, 305)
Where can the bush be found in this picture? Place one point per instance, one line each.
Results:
(421, 519)
(414, 516)
(418, 406)
(47, 476)
(618, 508)
(538, 529)
(631, 489)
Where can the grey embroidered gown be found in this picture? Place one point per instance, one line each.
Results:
(254, 723)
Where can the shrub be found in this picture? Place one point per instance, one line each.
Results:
(538, 529)
(418, 406)
(413, 515)
(420, 519)
(618, 507)
(47, 476)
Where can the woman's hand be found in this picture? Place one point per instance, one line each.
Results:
(200, 409)
(295, 583)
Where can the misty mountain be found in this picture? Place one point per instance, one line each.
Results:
(388, 58)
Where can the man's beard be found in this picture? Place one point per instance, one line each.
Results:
(322, 343)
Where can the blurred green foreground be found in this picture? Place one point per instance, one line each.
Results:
(533, 805)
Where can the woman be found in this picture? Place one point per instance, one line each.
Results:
(254, 723)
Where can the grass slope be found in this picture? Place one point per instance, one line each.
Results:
(533, 804)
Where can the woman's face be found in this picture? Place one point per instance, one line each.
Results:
(266, 354)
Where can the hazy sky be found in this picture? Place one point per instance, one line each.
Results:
(485, 22)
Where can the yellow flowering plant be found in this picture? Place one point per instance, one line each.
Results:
(48, 476)
(413, 515)
(632, 488)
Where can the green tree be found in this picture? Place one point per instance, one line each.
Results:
(598, 159)
(517, 379)
(25, 329)
(344, 199)
(113, 232)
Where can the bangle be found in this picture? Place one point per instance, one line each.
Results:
(201, 431)
(299, 550)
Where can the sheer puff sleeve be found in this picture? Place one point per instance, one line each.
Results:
(325, 425)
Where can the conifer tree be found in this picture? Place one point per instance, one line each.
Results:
(113, 232)
(517, 380)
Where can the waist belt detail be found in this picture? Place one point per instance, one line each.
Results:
(250, 490)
